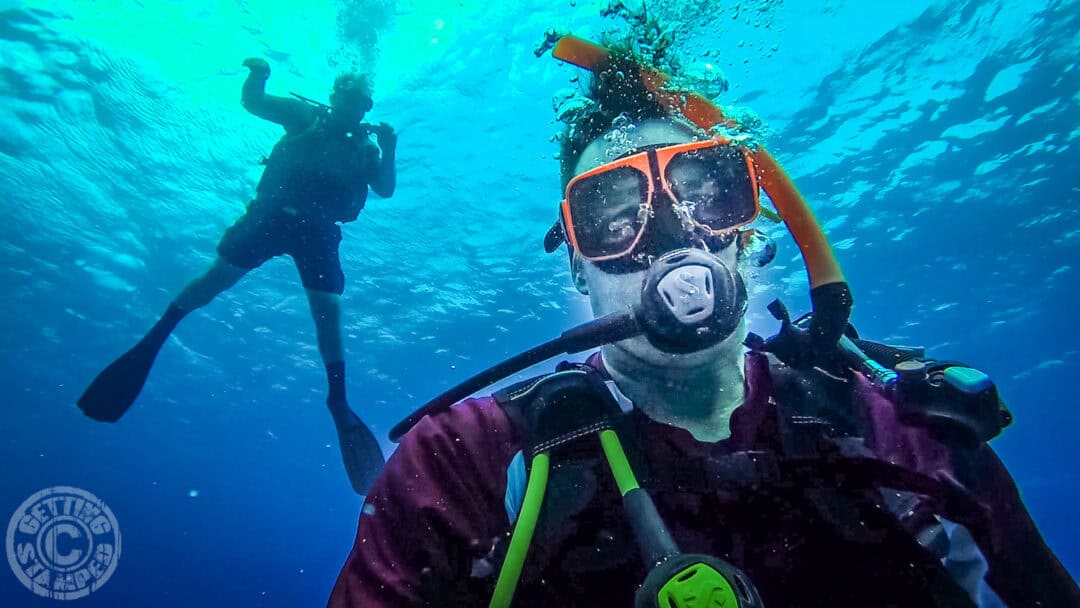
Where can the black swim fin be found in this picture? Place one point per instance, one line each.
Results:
(360, 451)
(117, 386)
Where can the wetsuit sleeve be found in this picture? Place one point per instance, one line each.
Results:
(437, 506)
(1023, 569)
(292, 114)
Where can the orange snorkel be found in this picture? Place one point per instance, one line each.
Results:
(829, 293)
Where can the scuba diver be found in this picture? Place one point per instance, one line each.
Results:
(689, 462)
(316, 177)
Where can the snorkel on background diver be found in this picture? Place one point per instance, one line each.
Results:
(308, 100)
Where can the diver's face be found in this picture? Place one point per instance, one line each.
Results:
(613, 292)
(350, 104)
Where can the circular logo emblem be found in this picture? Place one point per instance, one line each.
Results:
(63, 543)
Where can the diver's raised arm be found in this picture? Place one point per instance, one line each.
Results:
(289, 113)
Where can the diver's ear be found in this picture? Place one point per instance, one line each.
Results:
(577, 273)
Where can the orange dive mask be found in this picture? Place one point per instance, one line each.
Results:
(821, 265)
(710, 185)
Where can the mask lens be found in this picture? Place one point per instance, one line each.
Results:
(606, 211)
(715, 185)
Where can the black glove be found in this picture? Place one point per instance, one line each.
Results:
(258, 67)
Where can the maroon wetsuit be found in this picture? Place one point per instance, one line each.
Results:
(439, 508)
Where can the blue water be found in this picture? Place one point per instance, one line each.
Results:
(936, 141)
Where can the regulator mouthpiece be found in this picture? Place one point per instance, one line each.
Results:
(690, 300)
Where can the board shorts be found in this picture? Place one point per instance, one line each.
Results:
(312, 244)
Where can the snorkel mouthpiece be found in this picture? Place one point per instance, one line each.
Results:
(690, 300)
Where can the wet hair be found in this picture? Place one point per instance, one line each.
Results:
(615, 90)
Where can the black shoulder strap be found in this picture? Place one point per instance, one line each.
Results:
(558, 409)
(562, 413)
(810, 404)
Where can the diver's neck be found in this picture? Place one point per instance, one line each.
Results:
(699, 399)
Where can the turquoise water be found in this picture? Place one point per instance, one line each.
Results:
(935, 140)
